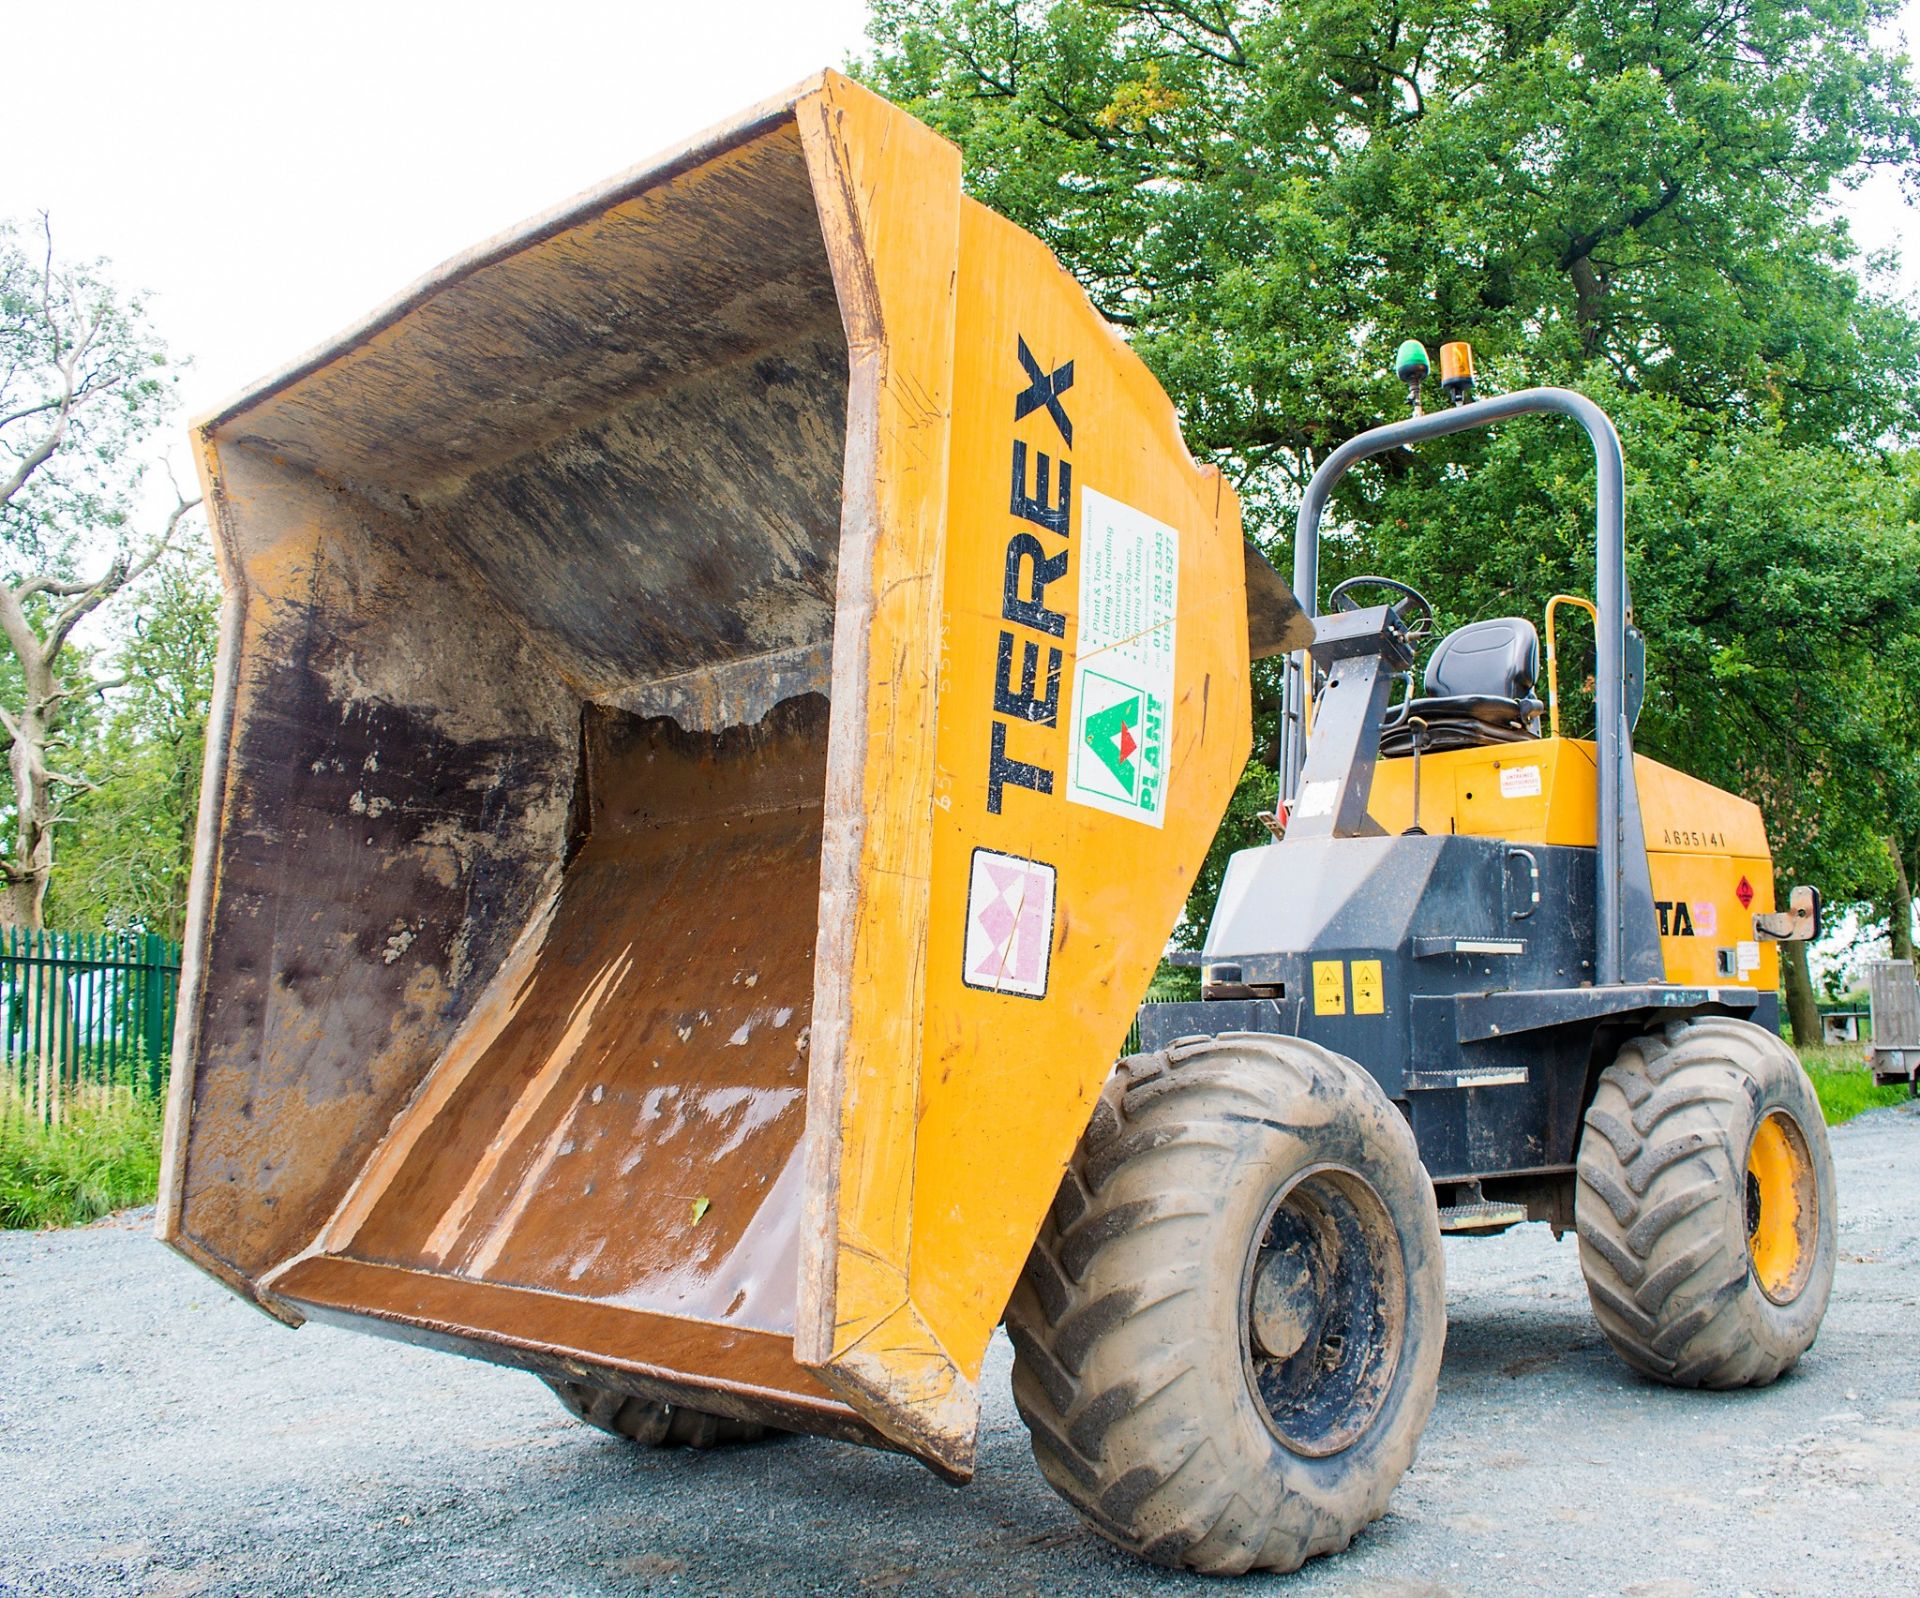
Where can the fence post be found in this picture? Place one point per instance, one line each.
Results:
(36, 976)
(18, 1077)
(154, 1025)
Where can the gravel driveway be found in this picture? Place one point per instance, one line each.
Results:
(158, 1436)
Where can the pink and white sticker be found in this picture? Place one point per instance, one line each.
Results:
(1009, 924)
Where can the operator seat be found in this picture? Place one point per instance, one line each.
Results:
(1479, 690)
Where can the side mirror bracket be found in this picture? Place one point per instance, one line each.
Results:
(1798, 923)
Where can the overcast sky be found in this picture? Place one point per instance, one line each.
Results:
(272, 171)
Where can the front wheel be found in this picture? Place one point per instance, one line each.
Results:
(1705, 1205)
(1228, 1336)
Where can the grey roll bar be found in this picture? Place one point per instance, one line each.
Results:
(1622, 943)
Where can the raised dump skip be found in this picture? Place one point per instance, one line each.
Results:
(637, 684)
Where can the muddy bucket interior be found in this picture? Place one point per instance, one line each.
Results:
(509, 987)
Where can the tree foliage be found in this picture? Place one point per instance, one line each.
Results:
(83, 385)
(1629, 198)
(129, 847)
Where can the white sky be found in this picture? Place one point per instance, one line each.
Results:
(271, 171)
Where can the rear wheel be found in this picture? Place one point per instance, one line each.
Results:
(656, 1425)
(1228, 1336)
(1705, 1205)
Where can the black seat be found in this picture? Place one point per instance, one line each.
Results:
(1479, 690)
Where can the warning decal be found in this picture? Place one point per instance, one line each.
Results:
(1329, 987)
(1123, 661)
(1519, 782)
(1009, 924)
(1369, 991)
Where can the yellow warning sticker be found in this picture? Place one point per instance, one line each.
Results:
(1369, 997)
(1329, 987)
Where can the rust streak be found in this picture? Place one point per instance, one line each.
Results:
(441, 1240)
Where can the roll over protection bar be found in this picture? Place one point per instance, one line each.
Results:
(1626, 945)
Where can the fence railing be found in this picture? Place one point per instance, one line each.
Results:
(1170, 985)
(82, 1012)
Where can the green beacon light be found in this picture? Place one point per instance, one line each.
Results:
(1410, 365)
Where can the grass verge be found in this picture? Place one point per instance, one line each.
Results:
(1845, 1085)
(102, 1157)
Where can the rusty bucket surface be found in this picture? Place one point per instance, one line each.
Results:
(723, 692)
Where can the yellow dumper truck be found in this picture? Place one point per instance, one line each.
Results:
(723, 694)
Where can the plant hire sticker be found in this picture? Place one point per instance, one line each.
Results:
(1122, 720)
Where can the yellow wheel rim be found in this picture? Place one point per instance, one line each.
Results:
(1783, 1207)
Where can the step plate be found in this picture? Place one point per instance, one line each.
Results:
(1481, 1217)
(1495, 1077)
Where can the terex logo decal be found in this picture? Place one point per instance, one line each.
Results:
(1026, 679)
(1676, 918)
(1120, 723)
(1680, 918)
(1044, 388)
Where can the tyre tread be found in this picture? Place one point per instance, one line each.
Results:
(1661, 1184)
(1097, 1370)
(650, 1423)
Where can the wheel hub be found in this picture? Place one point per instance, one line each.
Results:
(1782, 1208)
(1284, 1304)
(1324, 1312)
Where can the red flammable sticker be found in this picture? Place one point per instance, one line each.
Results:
(1744, 893)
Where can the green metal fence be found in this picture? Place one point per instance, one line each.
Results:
(83, 1013)
(1171, 984)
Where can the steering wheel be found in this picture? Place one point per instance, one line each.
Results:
(1418, 620)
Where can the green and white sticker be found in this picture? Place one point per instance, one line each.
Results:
(1122, 719)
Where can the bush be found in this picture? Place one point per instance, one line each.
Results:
(103, 1156)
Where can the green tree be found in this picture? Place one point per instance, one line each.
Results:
(1891, 751)
(1272, 195)
(1632, 200)
(128, 848)
(83, 386)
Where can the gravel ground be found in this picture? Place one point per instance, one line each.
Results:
(158, 1436)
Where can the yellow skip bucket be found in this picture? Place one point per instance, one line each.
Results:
(723, 693)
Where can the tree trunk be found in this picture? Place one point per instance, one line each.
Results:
(27, 873)
(23, 898)
(20, 905)
(1900, 905)
(1802, 1011)
(1589, 302)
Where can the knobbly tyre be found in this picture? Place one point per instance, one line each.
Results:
(723, 693)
